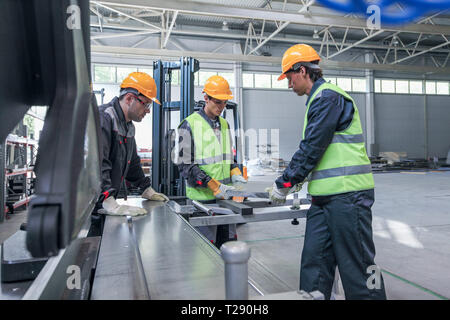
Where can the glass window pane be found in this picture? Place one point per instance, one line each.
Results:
(388, 86)
(377, 85)
(283, 84)
(123, 72)
(196, 78)
(204, 75)
(263, 80)
(401, 86)
(442, 88)
(104, 74)
(330, 80)
(359, 85)
(430, 87)
(148, 71)
(344, 83)
(175, 77)
(415, 87)
(229, 76)
(247, 80)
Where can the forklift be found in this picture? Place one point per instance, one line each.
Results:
(165, 175)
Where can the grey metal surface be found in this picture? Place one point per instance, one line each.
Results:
(247, 194)
(13, 291)
(53, 281)
(178, 262)
(259, 214)
(138, 259)
(117, 275)
(235, 254)
(177, 208)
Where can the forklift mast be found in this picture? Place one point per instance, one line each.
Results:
(165, 175)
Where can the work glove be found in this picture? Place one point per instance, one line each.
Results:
(111, 207)
(220, 189)
(278, 195)
(237, 178)
(151, 194)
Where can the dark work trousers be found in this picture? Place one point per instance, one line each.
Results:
(339, 233)
(222, 233)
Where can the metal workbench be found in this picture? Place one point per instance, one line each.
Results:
(177, 262)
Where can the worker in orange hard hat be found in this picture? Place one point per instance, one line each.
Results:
(209, 166)
(332, 155)
(121, 166)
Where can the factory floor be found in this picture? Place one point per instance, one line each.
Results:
(11, 224)
(411, 227)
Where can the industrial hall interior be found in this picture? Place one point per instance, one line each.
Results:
(218, 150)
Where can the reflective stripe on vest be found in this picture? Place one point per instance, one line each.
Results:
(212, 156)
(344, 166)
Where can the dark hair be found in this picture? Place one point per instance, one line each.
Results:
(314, 74)
(124, 91)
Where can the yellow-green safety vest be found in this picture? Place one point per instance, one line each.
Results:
(214, 157)
(344, 167)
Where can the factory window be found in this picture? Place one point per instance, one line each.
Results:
(229, 76)
(442, 88)
(123, 72)
(344, 83)
(359, 85)
(377, 85)
(262, 80)
(415, 87)
(388, 86)
(330, 80)
(283, 84)
(430, 87)
(175, 81)
(204, 75)
(148, 71)
(401, 86)
(104, 74)
(247, 80)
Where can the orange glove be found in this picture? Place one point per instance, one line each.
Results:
(220, 189)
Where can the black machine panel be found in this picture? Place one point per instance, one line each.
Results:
(47, 62)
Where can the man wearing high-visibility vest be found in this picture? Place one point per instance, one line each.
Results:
(205, 157)
(333, 155)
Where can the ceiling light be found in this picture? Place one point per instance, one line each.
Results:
(225, 26)
(315, 35)
(395, 41)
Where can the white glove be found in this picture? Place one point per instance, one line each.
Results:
(238, 179)
(222, 192)
(151, 194)
(111, 207)
(278, 196)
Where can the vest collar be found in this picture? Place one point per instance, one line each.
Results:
(315, 86)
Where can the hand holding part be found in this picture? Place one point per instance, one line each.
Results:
(151, 194)
(111, 207)
(236, 176)
(219, 189)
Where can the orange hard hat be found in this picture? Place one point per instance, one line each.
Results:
(295, 54)
(143, 83)
(217, 87)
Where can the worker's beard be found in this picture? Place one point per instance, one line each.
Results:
(133, 112)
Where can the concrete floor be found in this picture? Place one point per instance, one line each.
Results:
(411, 225)
(11, 224)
